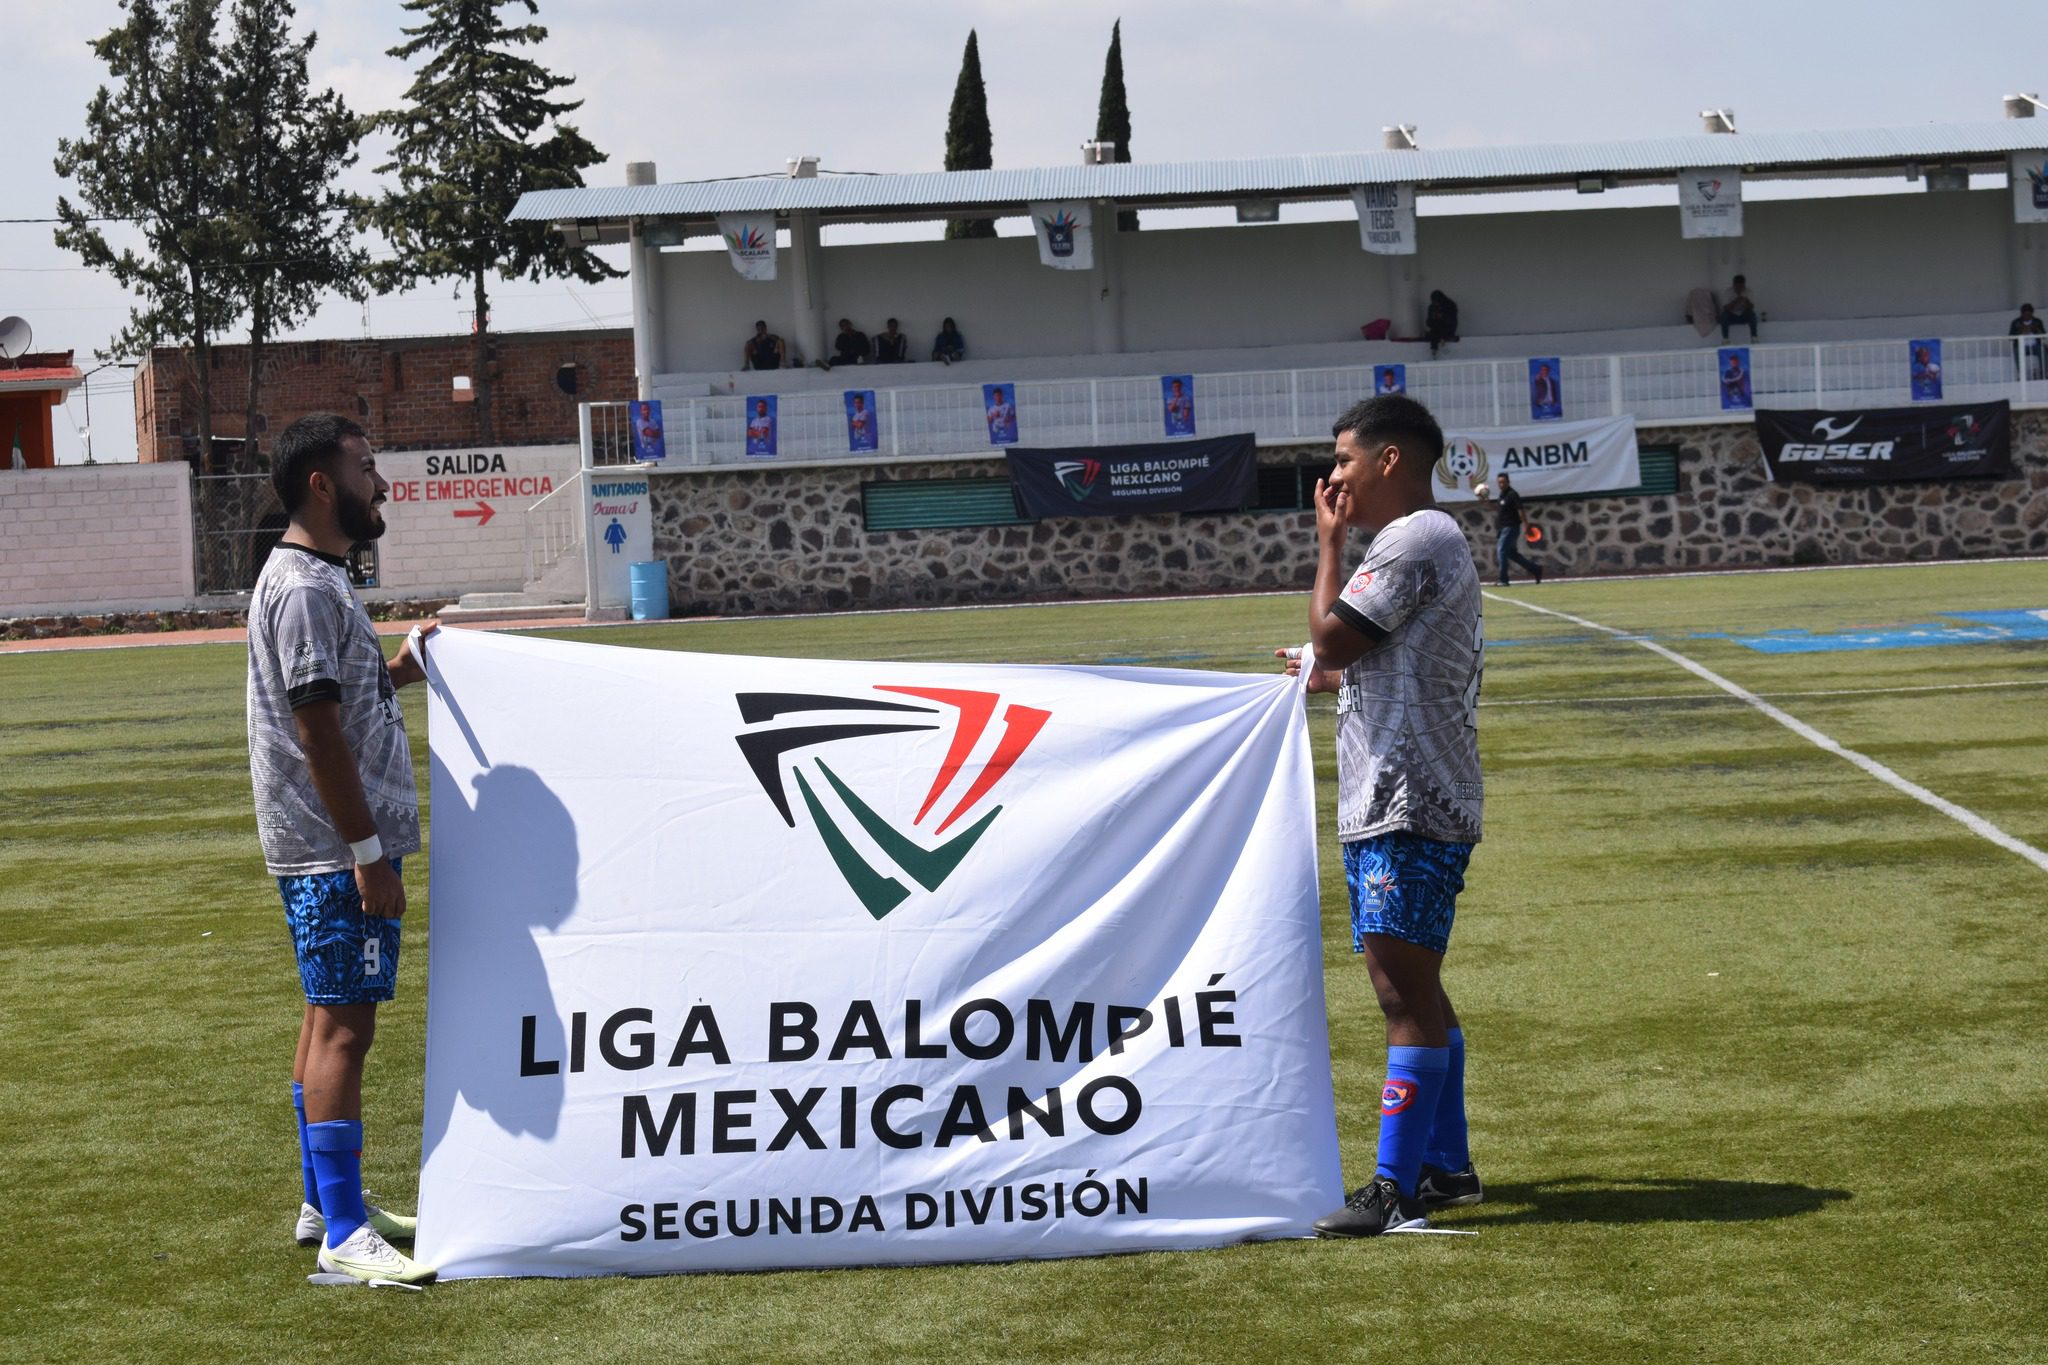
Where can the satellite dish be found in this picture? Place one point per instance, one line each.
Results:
(15, 337)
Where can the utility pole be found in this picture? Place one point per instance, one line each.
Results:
(86, 389)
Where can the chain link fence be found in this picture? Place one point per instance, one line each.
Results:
(236, 519)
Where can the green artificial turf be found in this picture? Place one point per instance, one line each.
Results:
(1755, 1039)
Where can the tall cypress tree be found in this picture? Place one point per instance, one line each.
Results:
(469, 145)
(970, 146)
(1113, 113)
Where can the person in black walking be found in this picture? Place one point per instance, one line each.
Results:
(1510, 528)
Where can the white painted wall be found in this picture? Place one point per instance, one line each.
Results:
(95, 538)
(1812, 264)
(429, 551)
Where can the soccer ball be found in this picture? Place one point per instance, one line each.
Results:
(1481, 490)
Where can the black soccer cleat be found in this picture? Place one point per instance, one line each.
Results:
(1371, 1210)
(1442, 1189)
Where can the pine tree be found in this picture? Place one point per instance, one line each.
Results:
(970, 146)
(285, 146)
(468, 147)
(151, 155)
(1113, 114)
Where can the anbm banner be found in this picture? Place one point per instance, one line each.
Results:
(1887, 445)
(1710, 202)
(1544, 459)
(1386, 219)
(744, 963)
(749, 243)
(1066, 239)
(1215, 474)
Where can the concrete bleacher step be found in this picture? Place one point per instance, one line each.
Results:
(510, 606)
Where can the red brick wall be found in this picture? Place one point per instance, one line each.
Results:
(400, 389)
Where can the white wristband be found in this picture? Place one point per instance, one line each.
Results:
(370, 850)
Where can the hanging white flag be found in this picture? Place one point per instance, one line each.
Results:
(2029, 172)
(749, 243)
(1710, 202)
(1386, 219)
(1066, 237)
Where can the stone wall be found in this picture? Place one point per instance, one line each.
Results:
(769, 540)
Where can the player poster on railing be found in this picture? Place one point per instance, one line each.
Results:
(1386, 219)
(761, 425)
(1710, 202)
(999, 402)
(1546, 389)
(1924, 369)
(2029, 174)
(749, 243)
(1065, 239)
(862, 429)
(1390, 379)
(1177, 397)
(649, 447)
(1737, 394)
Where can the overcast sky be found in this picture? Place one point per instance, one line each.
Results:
(713, 89)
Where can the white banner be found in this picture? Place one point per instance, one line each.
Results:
(2029, 174)
(1710, 202)
(724, 973)
(1541, 459)
(1386, 219)
(749, 243)
(1066, 237)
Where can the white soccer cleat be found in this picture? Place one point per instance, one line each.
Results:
(392, 1227)
(368, 1257)
(312, 1228)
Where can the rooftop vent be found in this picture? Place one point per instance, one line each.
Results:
(803, 168)
(1098, 153)
(1399, 138)
(2021, 106)
(1718, 120)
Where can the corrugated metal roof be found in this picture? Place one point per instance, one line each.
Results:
(1761, 154)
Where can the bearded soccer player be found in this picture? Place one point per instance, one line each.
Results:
(1400, 644)
(336, 810)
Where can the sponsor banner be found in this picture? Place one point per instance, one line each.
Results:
(649, 444)
(2028, 172)
(1390, 379)
(1216, 474)
(863, 427)
(1738, 387)
(1710, 202)
(1386, 219)
(1887, 445)
(620, 524)
(1592, 456)
(749, 243)
(999, 402)
(1923, 369)
(1546, 389)
(920, 963)
(760, 413)
(1177, 401)
(1066, 241)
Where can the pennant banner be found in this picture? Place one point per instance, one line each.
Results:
(825, 963)
(2029, 174)
(1710, 202)
(749, 243)
(1543, 459)
(1066, 239)
(1386, 219)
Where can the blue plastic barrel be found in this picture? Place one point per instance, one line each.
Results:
(650, 589)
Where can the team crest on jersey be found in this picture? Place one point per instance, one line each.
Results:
(1396, 1095)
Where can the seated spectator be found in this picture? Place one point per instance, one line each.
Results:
(763, 350)
(949, 345)
(1440, 324)
(891, 346)
(850, 347)
(2027, 325)
(1740, 310)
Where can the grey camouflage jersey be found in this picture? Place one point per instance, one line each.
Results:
(310, 640)
(1407, 737)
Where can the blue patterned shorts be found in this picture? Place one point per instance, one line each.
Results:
(1406, 887)
(345, 957)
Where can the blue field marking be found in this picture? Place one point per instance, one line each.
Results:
(1979, 628)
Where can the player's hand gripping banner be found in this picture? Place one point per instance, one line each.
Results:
(768, 962)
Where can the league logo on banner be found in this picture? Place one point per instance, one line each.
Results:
(749, 243)
(649, 445)
(1217, 474)
(1390, 379)
(1177, 397)
(998, 400)
(1546, 389)
(2028, 172)
(1924, 369)
(1065, 239)
(1592, 455)
(1710, 202)
(761, 426)
(1386, 219)
(1887, 445)
(862, 431)
(1737, 392)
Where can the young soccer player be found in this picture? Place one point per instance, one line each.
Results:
(1400, 644)
(336, 809)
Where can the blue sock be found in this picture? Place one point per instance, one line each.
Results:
(338, 1164)
(1415, 1077)
(1448, 1148)
(305, 1152)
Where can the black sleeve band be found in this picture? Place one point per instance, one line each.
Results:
(1357, 620)
(320, 689)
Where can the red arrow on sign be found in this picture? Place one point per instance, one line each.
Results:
(483, 512)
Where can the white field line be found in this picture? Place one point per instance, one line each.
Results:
(1968, 819)
(1718, 696)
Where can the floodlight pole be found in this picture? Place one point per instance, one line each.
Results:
(85, 387)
